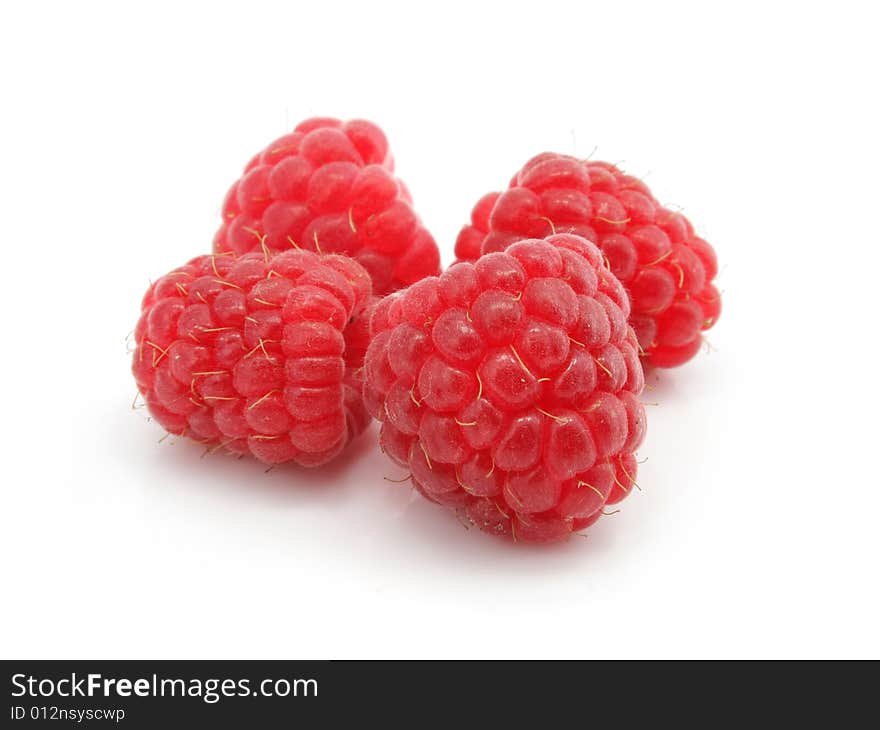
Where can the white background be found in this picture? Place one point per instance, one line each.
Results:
(756, 533)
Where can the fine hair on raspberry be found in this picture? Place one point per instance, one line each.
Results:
(260, 354)
(329, 186)
(508, 388)
(666, 268)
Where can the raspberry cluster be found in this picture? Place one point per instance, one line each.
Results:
(509, 387)
(666, 268)
(329, 186)
(257, 354)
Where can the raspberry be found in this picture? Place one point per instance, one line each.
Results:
(329, 186)
(508, 388)
(258, 355)
(666, 269)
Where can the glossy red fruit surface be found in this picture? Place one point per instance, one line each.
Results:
(666, 268)
(329, 187)
(508, 388)
(258, 354)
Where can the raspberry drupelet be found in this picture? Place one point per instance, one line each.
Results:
(329, 186)
(260, 354)
(666, 269)
(509, 388)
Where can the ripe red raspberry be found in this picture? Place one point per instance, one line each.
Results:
(329, 186)
(666, 269)
(508, 387)
(257, 354)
